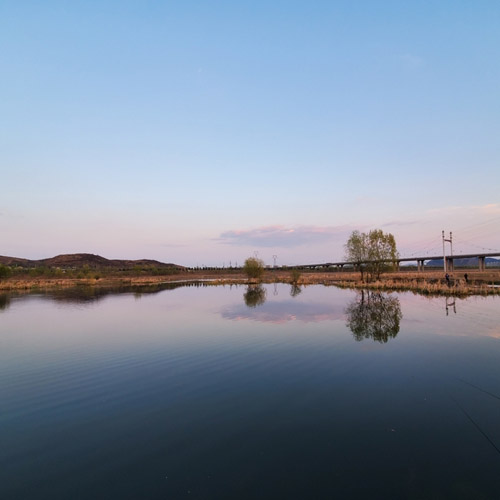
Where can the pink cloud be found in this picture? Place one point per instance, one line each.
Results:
(282, 236)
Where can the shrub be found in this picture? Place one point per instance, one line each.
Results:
(253, 268)
(5, 271)
(294, 276)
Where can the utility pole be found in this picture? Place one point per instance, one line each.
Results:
(444, 255)
(275, 257)
(450, 241)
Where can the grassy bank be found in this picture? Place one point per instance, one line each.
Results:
(427, 283)
(423, 287)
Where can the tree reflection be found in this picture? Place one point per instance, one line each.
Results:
(4, 301)
(255, 295)
(374, 315)
(295, 290)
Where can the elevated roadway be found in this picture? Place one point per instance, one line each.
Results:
(419, 260)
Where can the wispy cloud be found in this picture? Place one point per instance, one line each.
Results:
(446, 210)
(281, 236)
(488, 209)
(171, 245)
(400, 223)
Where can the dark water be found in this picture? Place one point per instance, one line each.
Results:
(218, 392)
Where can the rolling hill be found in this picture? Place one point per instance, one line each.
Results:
(81, 260)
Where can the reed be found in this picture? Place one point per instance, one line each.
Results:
(424, 287)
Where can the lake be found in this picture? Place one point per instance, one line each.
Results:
(215, 392)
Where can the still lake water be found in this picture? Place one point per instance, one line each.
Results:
(223, 392)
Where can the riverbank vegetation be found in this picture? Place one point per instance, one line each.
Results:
(254, 268)
(426, 287)
(427, 282)
(374, 252)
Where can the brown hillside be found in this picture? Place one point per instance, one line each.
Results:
(79, 260)
(14, 261)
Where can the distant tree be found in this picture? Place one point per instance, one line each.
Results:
(294, 276)
(356, 251)
(373, 252)
(5, 271)
(253, 268)
(382, 252)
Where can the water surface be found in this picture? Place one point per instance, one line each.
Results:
(230, 392)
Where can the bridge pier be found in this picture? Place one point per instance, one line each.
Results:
(449, 264)
(482, 262)
(420, 266)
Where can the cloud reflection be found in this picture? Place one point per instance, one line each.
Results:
(285, 311)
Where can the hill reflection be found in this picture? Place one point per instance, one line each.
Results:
(89, 294)
(374, 315)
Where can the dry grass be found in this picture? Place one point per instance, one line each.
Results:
(459, 289)
(428, 282)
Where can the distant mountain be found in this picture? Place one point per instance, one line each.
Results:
(472, 262)
(79, 260)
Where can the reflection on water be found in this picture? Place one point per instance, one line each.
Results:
(4, 301)
(450, 304)
(295, 290)
(255, 295)
(284, 311)
(374, 315)
(85, 294)
(277, 308)
(192, 393)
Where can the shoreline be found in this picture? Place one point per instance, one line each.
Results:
(425, 283)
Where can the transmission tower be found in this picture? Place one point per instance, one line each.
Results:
(450, 241)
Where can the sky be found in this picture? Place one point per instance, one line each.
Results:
(202, 133)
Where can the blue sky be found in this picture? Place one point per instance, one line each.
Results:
(203, 132)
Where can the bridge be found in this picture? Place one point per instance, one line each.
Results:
(396, 262)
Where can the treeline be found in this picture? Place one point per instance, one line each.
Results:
(83, 272)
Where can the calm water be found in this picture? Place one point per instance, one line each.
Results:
(219, 392)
